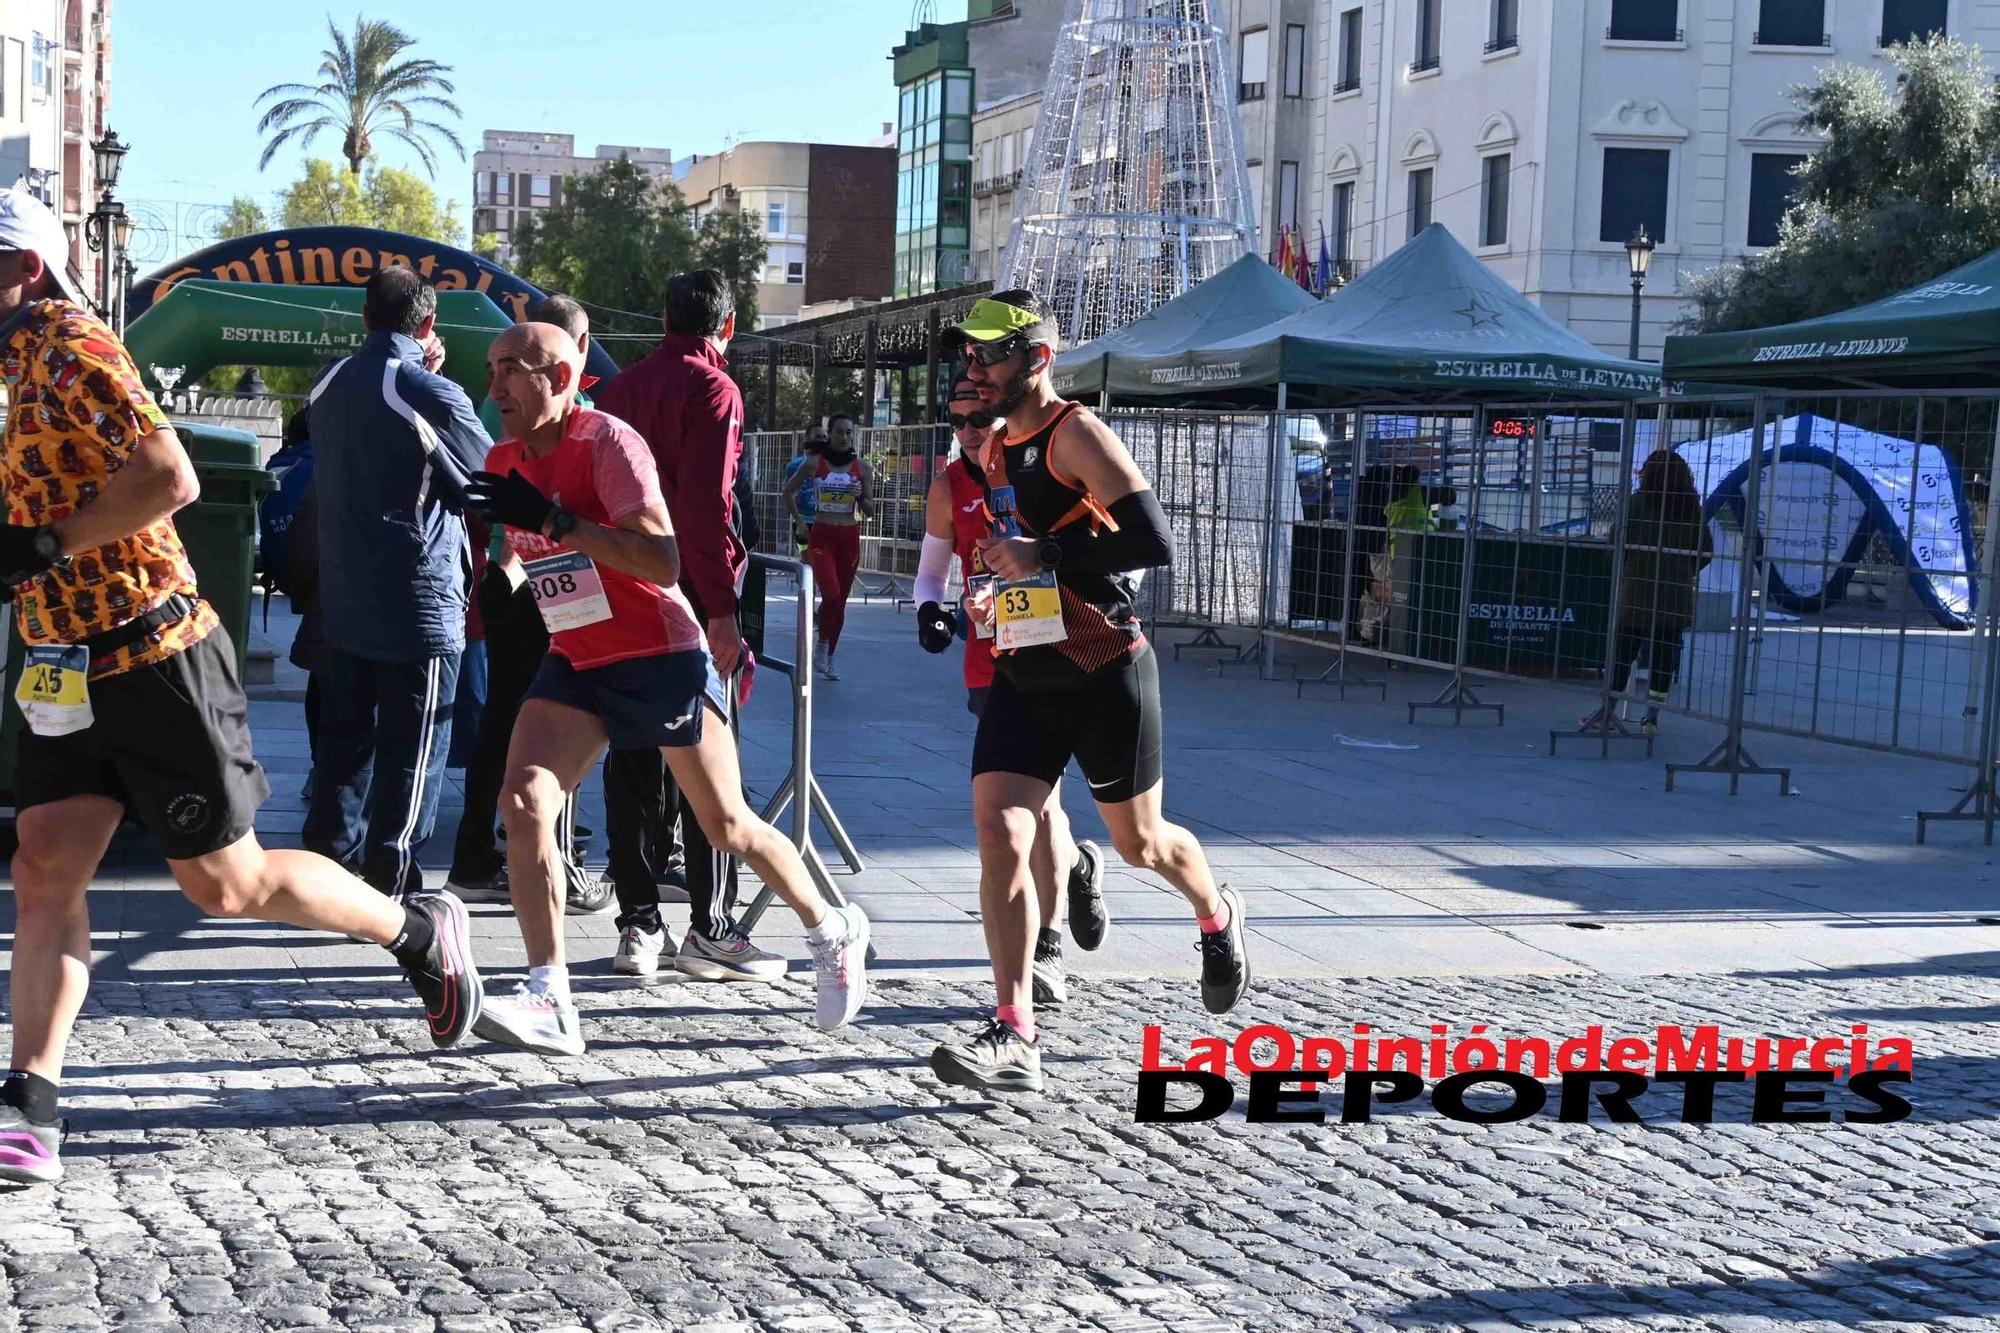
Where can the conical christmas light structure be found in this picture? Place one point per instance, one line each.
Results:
(1136, 189)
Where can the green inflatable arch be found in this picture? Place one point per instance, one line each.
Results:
(201, 324)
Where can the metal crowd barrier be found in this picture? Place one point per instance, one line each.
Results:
(1849, 595)
(799, 777)
(903, 458)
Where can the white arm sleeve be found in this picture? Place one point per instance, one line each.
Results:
(933, 569)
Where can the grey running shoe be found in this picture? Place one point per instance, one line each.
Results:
(639, 950)
(589, 894)
(1225, 964)
(481, 888)
(1088, 916)
(994, 1060)
(28, 1151)
(1050, 981)
(728, 956)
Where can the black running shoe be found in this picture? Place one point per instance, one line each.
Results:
(445, 976)
(1225, 964)
(1088, 916)
(994, 1060)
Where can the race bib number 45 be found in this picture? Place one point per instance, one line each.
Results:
(1029, 613)
(568, 590)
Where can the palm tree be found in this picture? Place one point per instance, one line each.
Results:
(366, 91)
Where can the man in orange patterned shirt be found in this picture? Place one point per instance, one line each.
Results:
(131, 695)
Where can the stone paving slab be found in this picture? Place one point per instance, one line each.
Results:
(288, 1152)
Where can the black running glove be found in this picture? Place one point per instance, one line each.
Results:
(19, 560)
(936, 627)
(512, 500)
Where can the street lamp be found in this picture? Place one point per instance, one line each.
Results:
(1639, 253)
(108, 153)
(108, 229)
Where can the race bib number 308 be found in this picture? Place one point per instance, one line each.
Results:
(568, 590)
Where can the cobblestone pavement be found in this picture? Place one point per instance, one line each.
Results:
(288, 1153)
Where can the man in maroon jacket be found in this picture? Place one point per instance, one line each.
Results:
(683, 401)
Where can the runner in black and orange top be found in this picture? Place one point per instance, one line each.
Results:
(131, 696)
(956, 521)
(845, 490)
(1074, 676)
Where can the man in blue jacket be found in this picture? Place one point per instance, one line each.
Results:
(394, 445)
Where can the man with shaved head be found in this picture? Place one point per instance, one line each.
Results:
(579, 494)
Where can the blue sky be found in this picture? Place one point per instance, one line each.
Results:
(679, 74)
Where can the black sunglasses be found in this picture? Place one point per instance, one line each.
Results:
(993, 353)
(960, 423)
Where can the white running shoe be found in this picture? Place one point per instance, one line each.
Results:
(843, 969)
(639, 951)
(828, 671)
(820, 656)
(728, 955)
(531, 1021)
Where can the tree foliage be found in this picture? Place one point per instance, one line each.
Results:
(1906, 186)
(614, 239)
(393, 200)
(365, 89)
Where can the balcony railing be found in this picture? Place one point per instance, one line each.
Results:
(1423, 64)
(1505, 42)
(1762, 38)
(1349, 83)
(1250, 92)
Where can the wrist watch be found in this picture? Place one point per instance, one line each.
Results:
(1049, 551)
(561, 523)
(48, 546)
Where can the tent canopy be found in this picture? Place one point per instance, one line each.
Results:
(1245, 296)
(1429, 321)
(1944, 333)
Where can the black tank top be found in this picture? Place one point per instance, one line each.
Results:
(1100, 620)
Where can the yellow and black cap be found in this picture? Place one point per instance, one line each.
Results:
(1014, 318)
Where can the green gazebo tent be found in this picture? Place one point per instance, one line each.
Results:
(1944, 333)
(1428, 322)
(1247, 295)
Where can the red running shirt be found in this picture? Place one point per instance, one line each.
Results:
(970, 525)
(602, 471)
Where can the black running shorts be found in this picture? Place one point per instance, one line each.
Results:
(171, 741)
(1110, 724)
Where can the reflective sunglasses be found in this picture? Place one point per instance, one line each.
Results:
(993, 353)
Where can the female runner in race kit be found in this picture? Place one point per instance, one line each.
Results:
(1074, 677)
(956, 521)
(846, 497)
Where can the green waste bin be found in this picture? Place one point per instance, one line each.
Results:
(220, 529)
(220, 533)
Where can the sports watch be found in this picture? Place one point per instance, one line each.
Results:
(561, 523)
(1049, 551)
(48, 546)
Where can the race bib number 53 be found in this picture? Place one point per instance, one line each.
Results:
(568, 590)
(1029, 613)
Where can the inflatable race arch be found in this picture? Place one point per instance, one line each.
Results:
(1827, 490)
(293, 298)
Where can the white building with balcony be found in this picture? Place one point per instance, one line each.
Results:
(1545, 132)
(55, 80)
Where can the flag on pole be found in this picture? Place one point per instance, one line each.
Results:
(1325, 263)
(1283, 261)
(1304, 275)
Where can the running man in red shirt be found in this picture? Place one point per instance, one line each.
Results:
(956, 521)
(580, 496)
